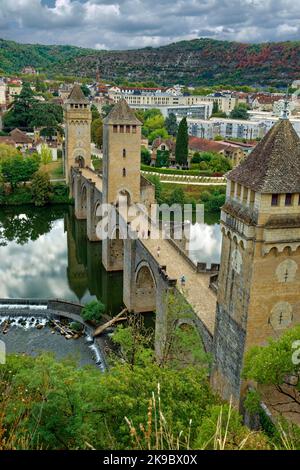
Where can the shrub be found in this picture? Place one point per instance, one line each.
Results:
(93, 311)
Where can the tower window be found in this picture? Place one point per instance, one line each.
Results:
(275, 200)
(122, 129)
(134, 129)
(124, 153)
(127, 129)
(115, 129)
(288, 199)
(124, 171)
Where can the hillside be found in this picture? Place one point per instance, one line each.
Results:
(195, 62)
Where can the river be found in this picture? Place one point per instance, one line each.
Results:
(44, 253)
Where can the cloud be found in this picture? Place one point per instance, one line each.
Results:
(123, 24)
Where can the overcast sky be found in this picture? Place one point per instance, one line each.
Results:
(124, 24)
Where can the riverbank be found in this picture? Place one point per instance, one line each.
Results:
(22, 195)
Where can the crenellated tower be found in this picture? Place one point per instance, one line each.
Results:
(77, 117)
(259, 280)
(121, 154)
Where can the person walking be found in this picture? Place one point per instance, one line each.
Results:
(182, 281)
(158, 251)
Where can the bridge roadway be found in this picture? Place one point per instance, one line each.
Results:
(196, 291)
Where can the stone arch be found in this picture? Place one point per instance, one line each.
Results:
(145, 288)
(116, 248)
(83, 201)
(192, 324)
(95, 219)
(124, 196)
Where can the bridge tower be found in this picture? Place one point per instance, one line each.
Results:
(259, 280)
(77, 117)
(121, 154)
(121, 174)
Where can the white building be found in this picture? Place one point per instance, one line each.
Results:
(2, 93)
(254, 128)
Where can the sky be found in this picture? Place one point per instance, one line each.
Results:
(127, 24)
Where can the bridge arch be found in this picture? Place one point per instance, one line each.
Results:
(145, 288)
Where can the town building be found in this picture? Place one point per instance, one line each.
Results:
(233, 152)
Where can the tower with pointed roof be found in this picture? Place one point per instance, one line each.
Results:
(121, 154)
(259, 280)
(77, 116)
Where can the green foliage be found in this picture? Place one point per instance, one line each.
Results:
(239, 112)
(48, 115)
(213, 200)
(222, 429)
(158, 186)
(145, 156)
(162, 158)
(106, 109)
(19, 169)
(41, 188)
(157, 133)
(7, 151)
(93, 311)
(20, 115)
(85, 90)
(60, 194)
(97, 132)
(177, 196)
(171, 124)
(95, 112)
(46, 154)
(181, 151)
(270, 364)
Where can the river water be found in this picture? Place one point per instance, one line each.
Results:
(44, 253)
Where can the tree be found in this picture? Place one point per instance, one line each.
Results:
(19, 168)
(106, 109)
(239, 112)
(272, 364)
(177, 196)
(95, 112)
(145, 156)
(93, 311)
(21, 113)
(7, 151)
(48, 115)
(171, 124)
(85, 90)
(182, 143)
(40, 188)
(158, 133)
(97, 132)
(46, 155)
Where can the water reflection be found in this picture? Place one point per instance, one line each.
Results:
(205, 243)
(44, 253)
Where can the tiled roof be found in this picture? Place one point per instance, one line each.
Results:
(7, 140)
(76, 96)
(122, 114)
(274, 165)
(205, 145)
(168, 142)
(20, 137)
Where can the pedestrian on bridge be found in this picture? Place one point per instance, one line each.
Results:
(182, 281)
(158, 251)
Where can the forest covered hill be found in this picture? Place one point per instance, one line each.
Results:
(195, 62)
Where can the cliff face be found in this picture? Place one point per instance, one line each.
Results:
(196, 62)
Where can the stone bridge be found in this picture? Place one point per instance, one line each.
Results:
(149, 276)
